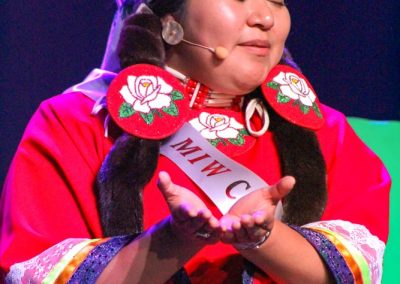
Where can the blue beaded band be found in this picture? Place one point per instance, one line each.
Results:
(91, 268)
(97, 260)
(248, 272)
(329, 253)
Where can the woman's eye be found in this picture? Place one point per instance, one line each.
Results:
(277, 2)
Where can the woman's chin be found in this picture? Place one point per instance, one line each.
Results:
(240, 89)
(246, 84)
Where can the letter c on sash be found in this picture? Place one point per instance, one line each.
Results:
(230, 187)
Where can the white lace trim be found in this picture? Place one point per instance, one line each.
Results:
(361, 239)
(36, 269)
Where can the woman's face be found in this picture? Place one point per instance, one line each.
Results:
(253, 31)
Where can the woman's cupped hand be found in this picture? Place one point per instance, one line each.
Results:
(248, 220)
(190, 219)
(252, 217)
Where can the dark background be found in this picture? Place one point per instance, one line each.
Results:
(349, 50)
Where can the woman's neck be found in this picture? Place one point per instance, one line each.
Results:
(202, 96)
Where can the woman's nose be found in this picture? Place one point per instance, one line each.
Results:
(261, 16)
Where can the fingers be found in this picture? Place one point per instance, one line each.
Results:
(282, 188)
(190, 216)
(250, 222)
(244, 232)
(166, 186)
(199, 225)
(210, 229)
(247, 229)
(253, 216)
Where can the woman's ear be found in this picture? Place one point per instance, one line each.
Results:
(167, 18)
(172, 31)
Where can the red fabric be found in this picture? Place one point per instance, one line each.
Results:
(48, 196)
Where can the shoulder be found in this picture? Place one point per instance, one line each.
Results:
(69, 111)
(67, 117)
(335, 134)
(63, 131)
(73, 105)
(333, 117)
(335, 126)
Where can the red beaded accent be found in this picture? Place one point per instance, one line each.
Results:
(203, 94)
(236, 103)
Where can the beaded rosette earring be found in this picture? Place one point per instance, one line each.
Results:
(148, 102)
(291, 95)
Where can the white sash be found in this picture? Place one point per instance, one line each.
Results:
(221, 178)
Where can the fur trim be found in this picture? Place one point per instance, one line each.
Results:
(300, 157)
(132, 161)
(141, 41)
(128, 167)
(164, 7)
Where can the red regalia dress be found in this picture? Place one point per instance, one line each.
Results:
(48, 201)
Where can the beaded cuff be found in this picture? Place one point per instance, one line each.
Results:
(329, 253)
(91, 268)
(248, 272)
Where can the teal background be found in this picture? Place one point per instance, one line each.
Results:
(383, 137)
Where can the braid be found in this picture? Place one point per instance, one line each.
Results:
(141, 42)
(300, 156)
(306, 202)
(164, 7)
(131, 162)
(128, 167)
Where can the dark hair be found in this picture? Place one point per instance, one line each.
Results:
(132, 161)
(165, 7)
(159, 7)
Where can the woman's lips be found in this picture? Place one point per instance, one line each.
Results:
(257, 47)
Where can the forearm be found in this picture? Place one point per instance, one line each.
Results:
(152, 258)
(289, 258)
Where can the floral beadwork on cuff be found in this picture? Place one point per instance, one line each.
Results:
(329, 253)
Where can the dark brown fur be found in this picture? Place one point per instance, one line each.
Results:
(132, 161)
(301, 157)
(127, 168)
(140, 41)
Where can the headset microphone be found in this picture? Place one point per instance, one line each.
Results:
(220, 51)
(173, 33)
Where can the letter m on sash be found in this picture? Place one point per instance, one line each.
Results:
(184, 149)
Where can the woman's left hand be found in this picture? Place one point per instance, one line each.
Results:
(252, 217)
(190, 219)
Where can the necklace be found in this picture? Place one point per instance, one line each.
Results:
(202, 96)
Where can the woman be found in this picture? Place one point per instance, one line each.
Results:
(69, 187)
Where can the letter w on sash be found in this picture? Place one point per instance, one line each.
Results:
(215, 168)
(185, 149)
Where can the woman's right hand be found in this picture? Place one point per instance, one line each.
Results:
(252, 217)
(165, 247)
(190, 220)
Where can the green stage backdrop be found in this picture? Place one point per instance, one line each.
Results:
(383, 137)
